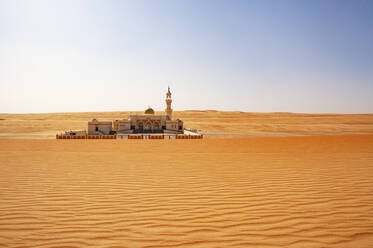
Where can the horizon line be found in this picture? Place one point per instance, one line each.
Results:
(197, 110)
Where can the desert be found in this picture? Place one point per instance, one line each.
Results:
(258, 189)
(186, 124)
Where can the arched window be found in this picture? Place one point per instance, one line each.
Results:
(148, 126)
(156, 126)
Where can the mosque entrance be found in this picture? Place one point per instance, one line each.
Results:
(148, 126)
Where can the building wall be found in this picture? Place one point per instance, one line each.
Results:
(99, 127)
(124, 125)
(136, 123)
(135, 118)
(149, 125)
(180, 125)
(155, 122)
(172, 125)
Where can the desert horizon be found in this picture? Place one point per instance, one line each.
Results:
(211, 123)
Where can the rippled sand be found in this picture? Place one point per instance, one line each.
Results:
(253, 192)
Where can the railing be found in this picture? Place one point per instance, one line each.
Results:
(68, 136)
(130, 136)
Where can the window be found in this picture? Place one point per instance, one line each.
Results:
(156, 126)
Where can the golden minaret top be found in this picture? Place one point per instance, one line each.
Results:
(168, 103)
(168, 94)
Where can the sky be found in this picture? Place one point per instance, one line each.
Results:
(253, 56)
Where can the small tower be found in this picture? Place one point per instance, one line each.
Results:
(168, 102)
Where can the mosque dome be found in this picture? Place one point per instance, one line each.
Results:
(149, 111)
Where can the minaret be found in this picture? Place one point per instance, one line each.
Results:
(168, 102)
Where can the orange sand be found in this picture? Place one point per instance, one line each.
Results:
(252, 192)
(210, 123)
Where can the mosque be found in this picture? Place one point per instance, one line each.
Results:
(148, 122)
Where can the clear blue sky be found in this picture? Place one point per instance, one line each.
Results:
(260, 56)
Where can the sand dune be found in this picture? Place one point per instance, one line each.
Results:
(251, 192)
(210, 123)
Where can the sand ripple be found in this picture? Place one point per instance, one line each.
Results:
(284, 192)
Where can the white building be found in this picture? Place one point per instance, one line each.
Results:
(146, 123)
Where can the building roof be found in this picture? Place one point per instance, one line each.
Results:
(149, 111)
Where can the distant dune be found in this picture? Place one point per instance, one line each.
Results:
(212, 123)
(307, 192)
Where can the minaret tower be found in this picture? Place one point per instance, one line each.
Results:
(168, 102)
